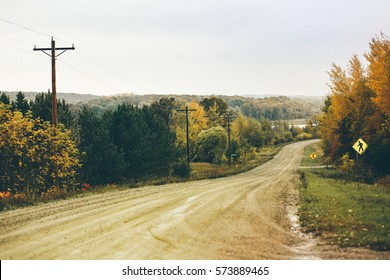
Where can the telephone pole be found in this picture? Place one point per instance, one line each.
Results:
(53, 56)
(187, 111)
(229, 118)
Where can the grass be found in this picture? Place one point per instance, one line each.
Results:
(313, 148)
(344, 213)
(203, 170)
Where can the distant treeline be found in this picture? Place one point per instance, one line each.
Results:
(271, 108)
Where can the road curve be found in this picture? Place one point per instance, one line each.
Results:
(246, 216)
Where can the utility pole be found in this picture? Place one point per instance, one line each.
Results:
(229, 118)
(187, 111)
(53, 56)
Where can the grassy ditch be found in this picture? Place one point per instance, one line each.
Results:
(344, 213)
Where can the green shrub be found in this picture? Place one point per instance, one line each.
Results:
(181, 169)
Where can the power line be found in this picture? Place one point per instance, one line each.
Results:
(16, 40)
(86, 75)
(108, 69)
(81, 52)
(18, 49)
(102, 65)
(25, 27)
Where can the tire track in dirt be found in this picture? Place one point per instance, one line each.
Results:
(238, 217)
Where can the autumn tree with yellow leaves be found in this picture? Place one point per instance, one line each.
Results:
(358, 107)
(34, 155)
(379, 72)
(197, 122)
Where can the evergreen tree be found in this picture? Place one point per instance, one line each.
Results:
(102, 162)
(4, 98)
(42, 108)
(164, 108)
(145, 139)
(21, 103)
(159, 144)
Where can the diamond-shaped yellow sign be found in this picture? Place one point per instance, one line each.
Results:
(313, 156)
(360, 146)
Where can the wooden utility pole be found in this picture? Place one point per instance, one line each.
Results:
(187, 111)
(53, 56)
(229, 118)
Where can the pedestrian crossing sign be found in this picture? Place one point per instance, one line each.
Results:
(360, 146)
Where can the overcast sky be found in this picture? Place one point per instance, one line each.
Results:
(279, 47)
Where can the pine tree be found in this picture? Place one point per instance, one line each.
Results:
(21, 104)
(102, 161)
(42, 108)
(4, 98)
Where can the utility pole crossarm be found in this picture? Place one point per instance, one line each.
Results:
(189, 110)
(41, 49)
(63, 49)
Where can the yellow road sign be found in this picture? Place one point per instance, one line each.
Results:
(360, 146)
(313, 156)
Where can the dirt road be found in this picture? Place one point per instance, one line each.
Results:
(247, 216)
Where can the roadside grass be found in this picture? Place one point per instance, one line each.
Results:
(203, 170)
(312, 148)
(344, 213)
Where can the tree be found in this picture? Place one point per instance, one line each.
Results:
(379, 71)
(126, 143)
(102, 162)
(197, 122)
(277, 113)
(42, 108)
(145, 139)
(352, 111)
(35, 156)
(211, 145)
(238, 129)
(219, 104)
(267, 132)
(21, 103)
(254, 134)
(247, 132)
(164, 108)
(337, 121)
(4, 98)
(160, 149)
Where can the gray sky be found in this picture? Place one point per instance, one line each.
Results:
(242, 47)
